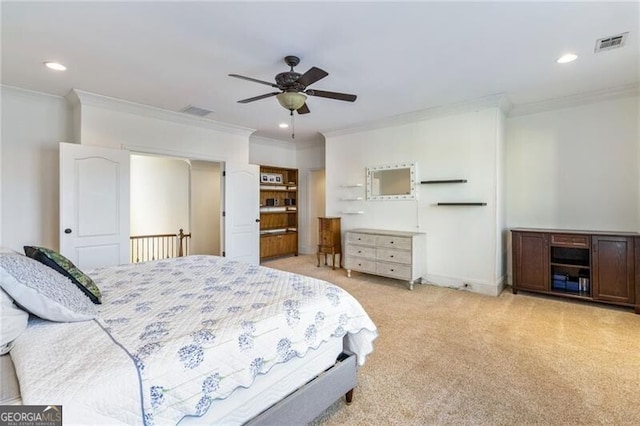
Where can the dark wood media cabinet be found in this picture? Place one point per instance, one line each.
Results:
(586, 265)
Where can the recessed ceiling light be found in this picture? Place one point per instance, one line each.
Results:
(55, 66)
(569, 57)
(283, 125)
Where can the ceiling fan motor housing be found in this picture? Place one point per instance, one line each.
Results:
(288, 80)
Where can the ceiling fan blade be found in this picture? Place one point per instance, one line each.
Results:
(314, 74)
(257, 98)
(253, 79)
(304, 109)
(332, 95)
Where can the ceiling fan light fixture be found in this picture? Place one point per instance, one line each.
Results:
(291, 100)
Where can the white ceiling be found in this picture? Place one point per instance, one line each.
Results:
(398, 57)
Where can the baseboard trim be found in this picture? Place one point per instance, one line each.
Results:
(465, 284)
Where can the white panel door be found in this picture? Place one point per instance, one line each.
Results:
(94, 205)
(242, 213)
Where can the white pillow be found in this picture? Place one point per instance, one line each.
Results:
(43, 291)
(13, 321)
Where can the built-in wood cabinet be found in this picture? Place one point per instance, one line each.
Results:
(329, 239)
(278, 211)
(595, 266)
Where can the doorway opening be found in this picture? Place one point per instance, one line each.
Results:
(172, 196)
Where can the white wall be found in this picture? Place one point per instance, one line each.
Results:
(206, 193)
(159, 195)
(575, 168)
(461, 241)
(269, 152)
(33, 125)
(119, 124)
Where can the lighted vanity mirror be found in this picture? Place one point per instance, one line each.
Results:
(392, 182)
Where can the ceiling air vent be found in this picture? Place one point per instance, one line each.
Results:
(612, 42)
(192, 110)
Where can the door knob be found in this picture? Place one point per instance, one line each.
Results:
(67, 231)
(257, 220)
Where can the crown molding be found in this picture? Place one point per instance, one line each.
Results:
(261, 140)
(628, 90)
(491, 101)
(76, 96)
(314, 143)
(28, 92)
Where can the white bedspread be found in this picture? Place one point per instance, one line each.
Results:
(195, 328)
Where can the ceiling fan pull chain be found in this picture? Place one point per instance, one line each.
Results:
(293, 127)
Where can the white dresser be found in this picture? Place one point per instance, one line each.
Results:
(394, 254)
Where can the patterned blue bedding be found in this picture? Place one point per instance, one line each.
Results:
(198, 327)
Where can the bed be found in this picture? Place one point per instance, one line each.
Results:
(196, 340)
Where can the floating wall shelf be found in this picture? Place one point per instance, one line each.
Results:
(461, 204)
(444, 181)
(355, 185)
(352, 212)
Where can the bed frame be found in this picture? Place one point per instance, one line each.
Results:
(306, 403)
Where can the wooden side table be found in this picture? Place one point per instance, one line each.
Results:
(329, 240)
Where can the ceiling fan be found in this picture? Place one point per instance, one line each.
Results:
(293, 87)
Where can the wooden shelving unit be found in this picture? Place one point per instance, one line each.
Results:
(278, 212)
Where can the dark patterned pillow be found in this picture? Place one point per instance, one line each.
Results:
(55, 260)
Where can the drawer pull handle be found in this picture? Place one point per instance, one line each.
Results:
(391, 242)
(391, 256)
(359, 251)
(391, 269)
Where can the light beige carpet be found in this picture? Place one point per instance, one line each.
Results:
(446, 356)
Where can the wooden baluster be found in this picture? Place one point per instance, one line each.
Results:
(180, 238)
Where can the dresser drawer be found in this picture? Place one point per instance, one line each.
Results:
(402, 243)
(361, 265)
(394, 270)
(361, 251)
(356, 238)
(390, 255)
(570, 240)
